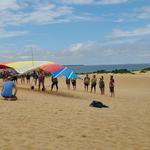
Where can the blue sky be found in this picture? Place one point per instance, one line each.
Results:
(75, 31)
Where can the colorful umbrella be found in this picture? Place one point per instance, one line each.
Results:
(67, 72)
(25, 66)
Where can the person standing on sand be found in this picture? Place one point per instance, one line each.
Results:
(15, 78)
(7, 89)
(35, 77)
(54, 83)
(93, 83)
(68, 83)
(5, 74)
(86, 83)
(28, 78)
(102, 85)
(73, 81)
(112, 86)
(41, 79)
(22, 79)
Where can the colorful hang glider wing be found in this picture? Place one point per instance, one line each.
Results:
(25, 66)
(67, 72)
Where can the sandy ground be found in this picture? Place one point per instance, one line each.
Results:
(64, 120)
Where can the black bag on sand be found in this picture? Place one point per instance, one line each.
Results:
(32, 87)
(97, 104)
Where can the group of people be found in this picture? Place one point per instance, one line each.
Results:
(101, 84)
(39, 77)
(69, 82)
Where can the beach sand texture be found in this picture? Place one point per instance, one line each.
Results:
(64, 120)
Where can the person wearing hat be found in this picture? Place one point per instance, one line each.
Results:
(7, 89)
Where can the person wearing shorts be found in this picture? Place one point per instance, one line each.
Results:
(54, 83)
(102, 85)
(14, 78)
(41, 79)
(35, 77)
(111, 86)
(86, 83)
(68, 83)
(7, 89)
(93, 83)
(28, 78)
(73, 81)
(22, 79)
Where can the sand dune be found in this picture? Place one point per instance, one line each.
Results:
(64, 120)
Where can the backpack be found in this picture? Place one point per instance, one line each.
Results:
(97, 104)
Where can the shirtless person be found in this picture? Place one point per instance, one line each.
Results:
(41, 79)
(112, 86)
(102, 85)
(54, 83)
(93, 83)
(86, 83)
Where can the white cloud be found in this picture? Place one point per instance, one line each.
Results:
(111, 1)
(106, 52)
(12, 13)
(77, 1)
(8, 34)
(9, 4)
(137, 14)
(17, 53)
(46, 13)
(117, 33)
(143, 13)
(103, 2)
(76, 48)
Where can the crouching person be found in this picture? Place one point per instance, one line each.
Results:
(7, 89)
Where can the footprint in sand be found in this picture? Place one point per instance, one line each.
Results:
(60, 136)
(84, 136)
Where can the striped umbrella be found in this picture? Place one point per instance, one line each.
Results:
(25, 66)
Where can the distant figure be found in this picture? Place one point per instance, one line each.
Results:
(1, 75)
(102, 85)
(28, 78)
(93, 83)
(5, 75)
(35, 77)
(7, 89)
(22, 77)
(68, 83)
(54, 83)
(15, 78)
(111, 86)
(73, 81)
(86, 83)
(41, 79)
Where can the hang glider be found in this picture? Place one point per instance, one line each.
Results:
(25, 66)
(66, 72)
